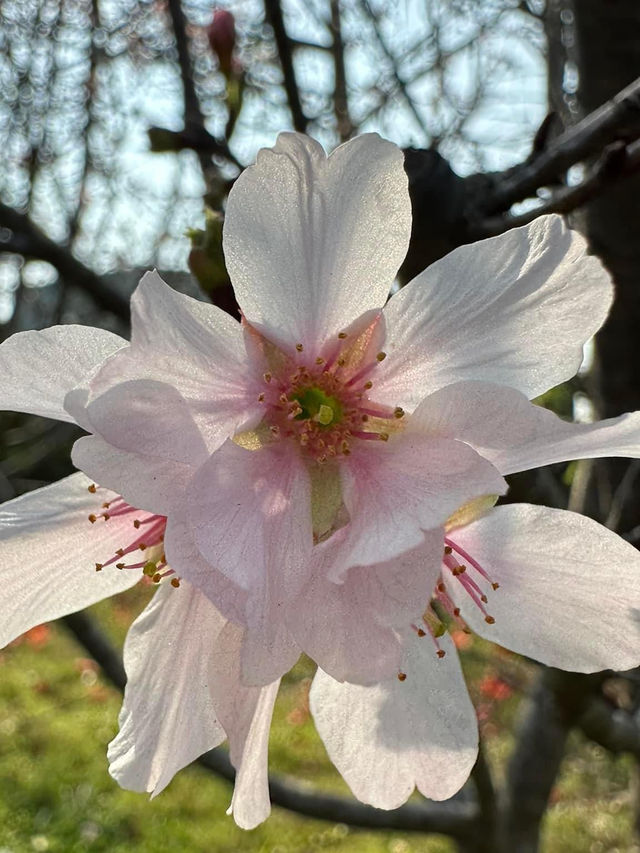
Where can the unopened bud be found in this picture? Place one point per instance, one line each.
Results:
(221, 33)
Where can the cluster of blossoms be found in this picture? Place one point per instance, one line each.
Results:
(321, 477)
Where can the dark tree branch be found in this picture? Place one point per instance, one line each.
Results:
(273, 12)
(457, 818)
(617, 120)
(205, 144)
(29, 240)
(340, 100)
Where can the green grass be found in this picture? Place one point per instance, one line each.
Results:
(57, 716)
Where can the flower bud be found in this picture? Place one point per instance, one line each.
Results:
(221, 33)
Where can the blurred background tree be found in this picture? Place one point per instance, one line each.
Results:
(123, 124)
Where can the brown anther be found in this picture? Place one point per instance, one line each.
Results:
(283, 398)
(106, 516)
(98, 567)
(342, 362)
(398, 412)
(320, 361)
(157, 577)
(402, 676)
(267, 377)
(92, 518)
(136, 524)
(365, 418)
(456, 611)
(489, 620)
(120, 552)
(368, 385)
(441, 587)
(261, 398)
(142, 546)
(441, 653)
(275, 430)
(461, 569)
(106, 505)
(495, 586)
(299, 347)
(421, 633)
(119, 565)
(484, 599)
(175, 582)
(342, 335)
(447, 549)
(381, 356)
(384, 436)
(92, 488)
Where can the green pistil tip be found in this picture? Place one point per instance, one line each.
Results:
(318, 407)
(149, 569)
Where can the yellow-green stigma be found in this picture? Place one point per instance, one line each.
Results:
(317, 406)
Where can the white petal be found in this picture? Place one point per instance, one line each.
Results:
(39, 368)
(569, 591)
(514, 309)
(403, 487)
(48, 551)
(245, 713)
(348, 628)
(146, 482)
(193, 346)
(168, 717)
(386, 740)
(311, 242)
(250, 514)
(514, 434)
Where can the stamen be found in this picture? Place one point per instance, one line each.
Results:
(402, 676)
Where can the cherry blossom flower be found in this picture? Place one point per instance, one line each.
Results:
(321, 477)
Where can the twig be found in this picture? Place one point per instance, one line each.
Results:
(622, 494)
(618, 119)
(457, 818)
(273, 12)
(30, 241)
(340, 100)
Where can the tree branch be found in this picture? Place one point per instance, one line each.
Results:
(340, 100)
(29, 240)
(273, 12)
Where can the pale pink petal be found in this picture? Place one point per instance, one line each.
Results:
(148, 417)
(48, 551)
(245, 713)
(187, 561)
(193, 346)
(514, 434)
(515, 309)
(387, 739)
(403, 487)
(569, 591)
(269, 649)
(168, 717)
(39, 368)
(146, 482)
(311, 242)
(251, 517)
(349, 628)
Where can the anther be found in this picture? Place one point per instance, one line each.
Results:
(368, 385)
(92, 488)
(98, 567)
(267, 377)
(402, 676)
(398, 412)
(384, 436)
(320, 361)
(342, 362)
(136, 524)
(157, 577)
(175, 582)
(489, 620)
(119, 565)
(142, 546)
(441, 653)
(92, 518)
(342, 335)
(421, 633)
(106, 516)
(447, 549)
(299, 347)
(381, 356)
(261, 398)
(275, 430)
(495, 586)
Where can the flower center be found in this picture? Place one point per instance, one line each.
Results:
(146, 540)
(322, 401)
